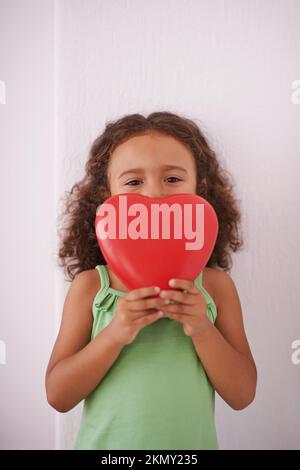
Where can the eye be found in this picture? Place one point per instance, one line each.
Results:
(170, 177)
(131, 182)
(175, 178)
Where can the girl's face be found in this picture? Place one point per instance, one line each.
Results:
(152, 164)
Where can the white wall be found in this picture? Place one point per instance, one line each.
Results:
(27, 222)
(229, 65)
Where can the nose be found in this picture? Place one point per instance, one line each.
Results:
(154, 193)
(153, 188)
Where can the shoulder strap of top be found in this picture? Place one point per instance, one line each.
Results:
(104, 299)
(103, 276)
(212, 308)
(198, 279)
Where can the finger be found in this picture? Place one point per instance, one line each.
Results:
(178, 296)
(141, 293)
(148, 318)
(180, 317)
(184, 284)
(146, 304)
(178, 308)
(132, 315)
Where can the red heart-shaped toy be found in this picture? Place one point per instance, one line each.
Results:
(147, 241)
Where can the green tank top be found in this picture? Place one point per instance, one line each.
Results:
(156, 395)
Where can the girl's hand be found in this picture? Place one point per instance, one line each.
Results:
(187, 306)
(134, 311)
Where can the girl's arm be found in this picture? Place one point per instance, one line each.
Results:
(77, 365)
(224, 350)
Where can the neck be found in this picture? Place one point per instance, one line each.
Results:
(115, 282)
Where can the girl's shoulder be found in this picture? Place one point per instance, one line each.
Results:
(213, 280)
(90, 282)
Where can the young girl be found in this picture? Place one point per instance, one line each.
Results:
(148, 366)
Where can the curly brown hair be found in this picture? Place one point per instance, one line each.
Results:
(79, 249)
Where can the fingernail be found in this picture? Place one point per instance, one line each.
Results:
(171, 282)
(157, 289)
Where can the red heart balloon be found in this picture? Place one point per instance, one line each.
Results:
(147, 241)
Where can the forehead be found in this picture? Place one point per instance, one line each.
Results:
(150, 149)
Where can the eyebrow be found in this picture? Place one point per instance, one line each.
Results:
(165, 167)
